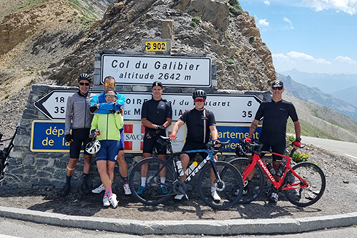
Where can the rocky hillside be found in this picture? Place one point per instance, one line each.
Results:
(51, 41)
(33, 35)
(231, 40)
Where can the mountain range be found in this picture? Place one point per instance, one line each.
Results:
(315, 95)
(341, 86)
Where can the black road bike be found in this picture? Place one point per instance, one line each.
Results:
(229, 186)
(4, 153)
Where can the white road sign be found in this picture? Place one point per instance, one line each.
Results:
(53, 105)
(170, 70)
(227, 108)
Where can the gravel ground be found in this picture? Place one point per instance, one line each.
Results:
(340, 197)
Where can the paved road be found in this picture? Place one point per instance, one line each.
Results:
(338, 147)
(15, 228)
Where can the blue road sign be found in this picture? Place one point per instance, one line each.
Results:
(48, 136)
(235, 132)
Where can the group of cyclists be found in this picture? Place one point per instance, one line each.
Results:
(101, 116)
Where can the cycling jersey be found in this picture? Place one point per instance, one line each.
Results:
(105, 107)
(108, 124)
(77, 112)
(156, 111)
(198, 123)
(275, 116)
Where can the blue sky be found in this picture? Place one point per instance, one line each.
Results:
(314, 36)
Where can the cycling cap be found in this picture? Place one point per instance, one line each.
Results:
(157, 83)
(84, 76)
(199, 93)
(277, 84)
(93, 147)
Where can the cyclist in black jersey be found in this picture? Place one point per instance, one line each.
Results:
(275, 113)
(200, 124)
(156, 116)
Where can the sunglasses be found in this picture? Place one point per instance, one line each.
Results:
(200, 100)
(278, 88)
(87, 84)
(111, 95)
(109, 84)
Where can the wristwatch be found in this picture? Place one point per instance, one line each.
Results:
(298, 139)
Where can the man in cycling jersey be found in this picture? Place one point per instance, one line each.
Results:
(275, 113)
(201, 124)
(99, 106)
(77, 112)
(156, 116)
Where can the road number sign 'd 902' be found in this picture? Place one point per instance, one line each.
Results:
(155, 46)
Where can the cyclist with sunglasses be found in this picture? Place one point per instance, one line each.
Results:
(99, 105)
(156, 116)
(106, 128)
(77, 114)
(201, 123)
(275, 113)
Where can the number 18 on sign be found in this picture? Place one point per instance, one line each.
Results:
(53, 105)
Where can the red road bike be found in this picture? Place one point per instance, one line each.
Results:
(303, 184)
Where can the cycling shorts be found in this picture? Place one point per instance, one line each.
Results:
(189, 145)
(108, 150)
(276, 143)
(150, 143)
(79, 136)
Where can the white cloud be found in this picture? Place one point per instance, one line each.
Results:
(299, 56)
(307, 63)
(263, 22)
(280, 56)
(288, 21)
(347, 6)
(267, 3)
(345, 59)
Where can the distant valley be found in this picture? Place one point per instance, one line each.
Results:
(337, 92)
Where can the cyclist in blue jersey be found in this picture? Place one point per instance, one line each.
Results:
(275, 113)
(201, 124)
(100, 106)
(78, 115)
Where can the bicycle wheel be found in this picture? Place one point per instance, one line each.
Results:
(153, 194)
(316, 182)
(255, 186)
(229, 189)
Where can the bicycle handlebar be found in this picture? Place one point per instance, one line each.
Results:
(255, 147)
(210, 146)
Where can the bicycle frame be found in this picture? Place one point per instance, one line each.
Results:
(6, 152)
(173, 157)
(277, 184)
